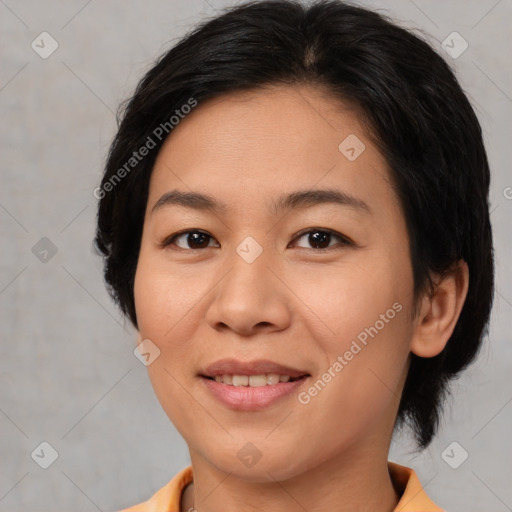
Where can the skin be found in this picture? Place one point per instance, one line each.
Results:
(297, 305)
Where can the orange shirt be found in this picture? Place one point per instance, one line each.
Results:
(414, 498)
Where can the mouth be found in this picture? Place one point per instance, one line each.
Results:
(250, 386)
(253, 381)
(257, 373)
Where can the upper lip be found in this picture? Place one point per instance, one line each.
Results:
(256, 367)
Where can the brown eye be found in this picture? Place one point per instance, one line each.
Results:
(193, 239)
(322, 238)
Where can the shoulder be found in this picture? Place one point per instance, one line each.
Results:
(413, 495)
(167, 498)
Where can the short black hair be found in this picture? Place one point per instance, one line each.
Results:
(414, 110)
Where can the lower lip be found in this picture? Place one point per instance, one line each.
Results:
(247, 398)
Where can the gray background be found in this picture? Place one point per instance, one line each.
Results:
(68, 374)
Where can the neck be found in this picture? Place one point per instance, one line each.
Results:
(353, 481)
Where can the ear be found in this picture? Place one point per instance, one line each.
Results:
(440, 311)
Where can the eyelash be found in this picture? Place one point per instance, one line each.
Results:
(345, 241)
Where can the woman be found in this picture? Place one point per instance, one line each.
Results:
(294, 216)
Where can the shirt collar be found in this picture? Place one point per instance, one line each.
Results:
(413, 496)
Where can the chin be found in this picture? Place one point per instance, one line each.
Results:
(254, 466)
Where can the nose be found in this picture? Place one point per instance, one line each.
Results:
(250, 298)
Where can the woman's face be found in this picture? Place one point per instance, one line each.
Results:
(319, 286)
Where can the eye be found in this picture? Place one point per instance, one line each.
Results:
(320, 238)
(195, 239)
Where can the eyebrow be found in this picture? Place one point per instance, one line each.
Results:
(297, 199)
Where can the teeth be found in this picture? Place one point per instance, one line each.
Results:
(254, 381)
(272, 378)
(240, 380)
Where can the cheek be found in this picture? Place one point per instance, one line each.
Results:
(369, 314)
(346, 301)
(363, 325)
(359, 388)
(166, 315)
(164, 297)
(169, 310)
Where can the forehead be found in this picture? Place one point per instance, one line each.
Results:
(247, 147)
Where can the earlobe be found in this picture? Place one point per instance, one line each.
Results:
(440, 311)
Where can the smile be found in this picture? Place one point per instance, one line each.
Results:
(241, 395)
(254, 381)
